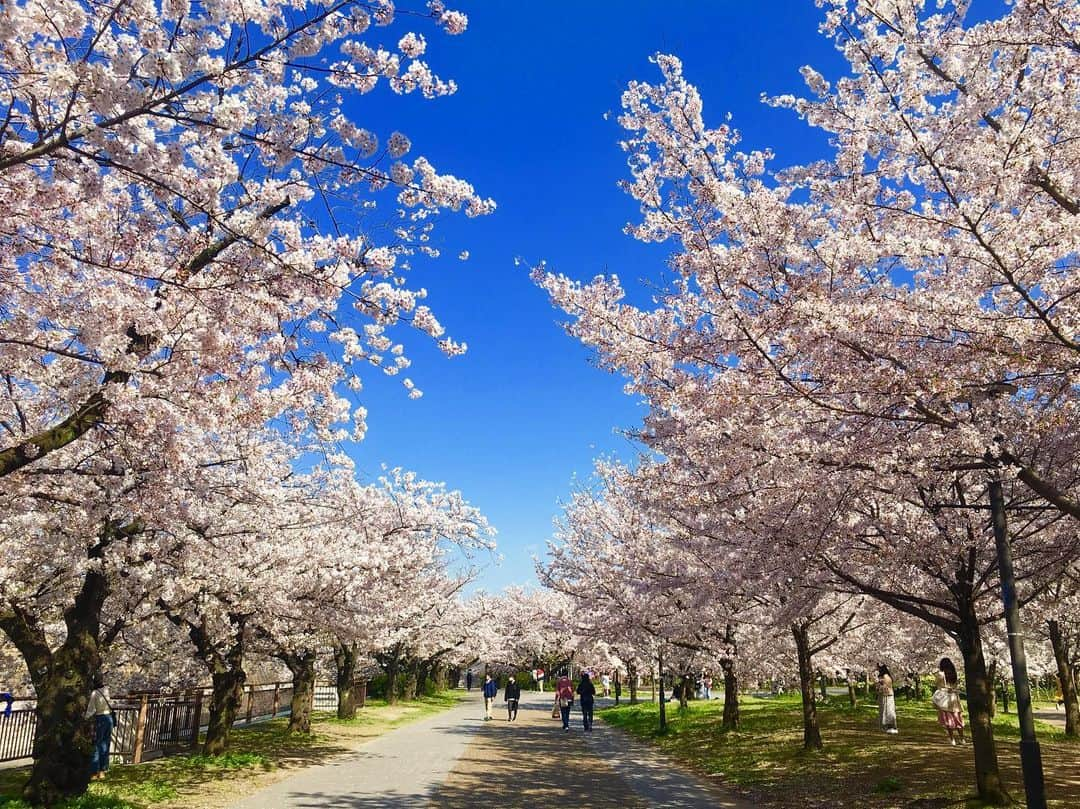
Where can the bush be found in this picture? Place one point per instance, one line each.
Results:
(376, 687)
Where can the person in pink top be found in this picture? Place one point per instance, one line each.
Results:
(564, 698)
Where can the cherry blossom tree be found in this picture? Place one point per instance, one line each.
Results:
(894, 316)
(161, 168)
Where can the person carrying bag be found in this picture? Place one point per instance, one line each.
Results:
(564, 699)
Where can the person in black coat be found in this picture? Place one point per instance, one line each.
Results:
(512, 694)
(587, 691)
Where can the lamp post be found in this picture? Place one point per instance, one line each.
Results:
(1030, 755)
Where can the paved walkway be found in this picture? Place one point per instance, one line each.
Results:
(1051, 717)
(456, 760)
(397, 770)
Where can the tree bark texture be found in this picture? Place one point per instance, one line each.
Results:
(981, 729)
(731, 696)
(345, 675)
(62, 680)
(302, 667)
(1059, 643)
(811, 731)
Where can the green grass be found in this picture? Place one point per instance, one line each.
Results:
(765, 755)
(226, 761)
(88, 801)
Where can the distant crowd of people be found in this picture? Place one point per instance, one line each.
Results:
(585, 692)
(946, 697)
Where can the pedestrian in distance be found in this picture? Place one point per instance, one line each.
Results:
(605, 681)
(491, 690)
(947, 701)
(99, 711)
(468, 681)
(564, 698)
(539, 680)
(707, 683)
(587, 691)
(512, 695)
(886, 699)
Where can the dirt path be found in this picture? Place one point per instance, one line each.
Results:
(533, 762)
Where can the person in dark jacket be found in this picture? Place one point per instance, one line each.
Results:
(468, 681)
(512, 693)
(491, 688)
(587, 691)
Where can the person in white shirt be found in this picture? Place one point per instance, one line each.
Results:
(100, 711)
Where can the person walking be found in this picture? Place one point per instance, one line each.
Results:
(539, 680)
(605, 681)
(491, 689)
(706, 681)
(564, 698)
(587, 691)
(886, 699)
(468, 681)
(947, 701)
(512, 695)
(99, 710)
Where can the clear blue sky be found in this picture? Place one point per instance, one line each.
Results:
(515, 419)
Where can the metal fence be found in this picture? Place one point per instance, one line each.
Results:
(150, 725)
(326, 696)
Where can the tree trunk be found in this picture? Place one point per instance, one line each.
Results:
(917, 680)
(302, 667)
(811, 731)
(685, 688)
(852, 698)
(631, 676)
(1059, 644)
(987, 775)
(412, 679)
(438, 676)
(345, 667)
(731, 696)
(227, 676)
(227, 691)
(423, 672)
(393, 666)
(824, 682)
(660, 685)
(63, 682)
(991, 676)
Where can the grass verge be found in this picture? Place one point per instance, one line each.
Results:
(259, 755)
(859, 767)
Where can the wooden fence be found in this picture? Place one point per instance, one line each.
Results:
(153, 724)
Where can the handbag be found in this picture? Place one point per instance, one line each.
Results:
(555, 711)
(941, 699)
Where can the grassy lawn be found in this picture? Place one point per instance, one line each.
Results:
(859, 767)
(258, 755)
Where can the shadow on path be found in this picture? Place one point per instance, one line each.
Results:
(531, 762)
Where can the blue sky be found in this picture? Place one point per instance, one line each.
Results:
(515, 419)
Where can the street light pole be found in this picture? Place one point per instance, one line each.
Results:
(1030, 755)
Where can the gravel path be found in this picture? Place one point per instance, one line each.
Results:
(456, 760)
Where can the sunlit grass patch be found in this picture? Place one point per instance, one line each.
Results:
(859, 766)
